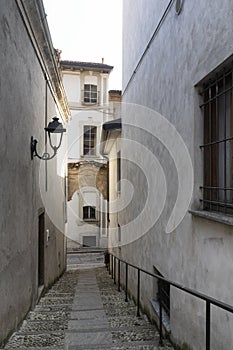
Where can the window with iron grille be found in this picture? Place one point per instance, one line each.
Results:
(162, 292)
(89, 213)
(90, 93)
(89, 140)
(218, 144)
(119, 171)
(119, 232)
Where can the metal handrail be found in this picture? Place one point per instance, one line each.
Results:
(209, 300)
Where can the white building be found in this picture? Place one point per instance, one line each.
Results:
(176, 150)
(86, 86)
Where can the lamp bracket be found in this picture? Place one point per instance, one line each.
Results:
(53, 127)
(45, 155)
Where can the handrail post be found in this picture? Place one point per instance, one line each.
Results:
(114, 270)
(207, 325)
(160, 315)
(162, 295)
(109, 269)
(138, 297)
(126, 282)
(119, 275)
(112, 265)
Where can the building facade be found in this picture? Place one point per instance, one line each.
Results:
(176, 151)
(33, 208)
(86, 85)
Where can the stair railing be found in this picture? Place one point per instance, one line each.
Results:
(208, 300)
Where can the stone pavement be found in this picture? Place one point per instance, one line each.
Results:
(85, 259)
(83, 311)
(45, 326)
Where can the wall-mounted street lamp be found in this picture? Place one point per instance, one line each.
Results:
(53, 127)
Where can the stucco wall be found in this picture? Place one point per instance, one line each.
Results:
(76, 133)
(197, 253)
(22, 101)
(74, 84)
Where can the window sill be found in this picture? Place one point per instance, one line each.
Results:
(165, 317)
(89, 103)
(90, 220)
(89, 156)
(214, 216)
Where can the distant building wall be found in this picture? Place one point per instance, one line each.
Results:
(88, 110)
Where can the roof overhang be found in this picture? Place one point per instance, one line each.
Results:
(111, 130)
(85, 66)
(114, 124)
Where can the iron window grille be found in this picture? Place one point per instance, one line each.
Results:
(89, 213)
(218, 144)
(119, 232)
(90, 94)
(163, 292)
(119, 171)
(89, 140)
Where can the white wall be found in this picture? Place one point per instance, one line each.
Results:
(84, 115)
(197, 252)
(23, 181)
(75, 134)
(77, 227)
(72, 86)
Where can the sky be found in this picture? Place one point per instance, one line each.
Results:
(88, 30)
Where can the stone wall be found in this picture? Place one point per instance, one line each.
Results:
(91, 174)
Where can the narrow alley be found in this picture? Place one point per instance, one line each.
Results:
(84, 310)
(116, 136)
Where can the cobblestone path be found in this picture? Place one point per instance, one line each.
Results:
(128, 331)
(84, 311)
(45, 326)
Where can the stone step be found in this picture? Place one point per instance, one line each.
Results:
(55, 300)
(38, 348)
(48, 308)
(40, 340)
(48, 315)
(147, 345)
(135, 334)
(121, 311)
(128, 321)
(31, 327)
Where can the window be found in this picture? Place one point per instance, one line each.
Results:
(119, 233)
(89, 213)
(90, 93)
(89, 140)
(89, 241)
(41, 245)
(162, 290)
(218, 144)
(118, 171)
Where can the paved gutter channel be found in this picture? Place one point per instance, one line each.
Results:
(84, 311)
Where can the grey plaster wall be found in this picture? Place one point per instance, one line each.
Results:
(22, 115)
(197, 253)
